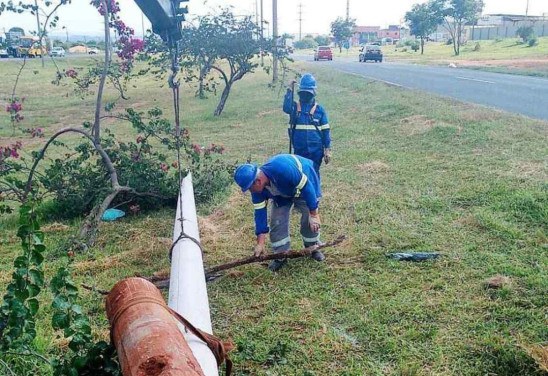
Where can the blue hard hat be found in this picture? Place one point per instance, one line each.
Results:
(245, 176)
(308, 83)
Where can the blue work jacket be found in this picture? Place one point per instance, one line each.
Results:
(291, 177)
(309, 129)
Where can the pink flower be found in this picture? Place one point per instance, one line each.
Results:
(164, 167)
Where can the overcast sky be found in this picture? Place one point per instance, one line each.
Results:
(81, 18)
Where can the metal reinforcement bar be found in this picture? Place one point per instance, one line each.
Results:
(187, 284)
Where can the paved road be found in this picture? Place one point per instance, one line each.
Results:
(519, 94)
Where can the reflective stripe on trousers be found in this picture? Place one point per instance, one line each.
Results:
(279, 226)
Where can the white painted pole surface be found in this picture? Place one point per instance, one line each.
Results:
(187, 284)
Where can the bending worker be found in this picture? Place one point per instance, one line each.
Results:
(288, 180)
(309, 132)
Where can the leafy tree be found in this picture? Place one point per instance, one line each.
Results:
(342, 30)
(422, 22)
(322, 40)
(226, 44)
(454, 14)
(305, 43)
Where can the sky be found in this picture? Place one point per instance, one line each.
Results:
(80, 18)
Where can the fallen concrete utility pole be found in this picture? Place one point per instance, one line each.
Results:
(145, 334)
(187, 284)
(163, 283)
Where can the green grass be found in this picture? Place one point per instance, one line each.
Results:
(410, 172)
(510, 48)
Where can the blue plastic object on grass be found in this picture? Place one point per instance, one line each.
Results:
(111, 215)
(413, 256)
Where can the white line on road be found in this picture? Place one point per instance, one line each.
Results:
(375, 79)
(475, 79)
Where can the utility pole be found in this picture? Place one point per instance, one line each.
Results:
(347, 10)
(275, 39)
(262, 33)
(300, 21)
(257, 16)
(39, 34)
(527, 9)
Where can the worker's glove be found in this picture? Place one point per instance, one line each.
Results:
(314, 222)
(259, 250)
(327, 156)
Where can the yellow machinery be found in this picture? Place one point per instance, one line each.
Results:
(30, 46)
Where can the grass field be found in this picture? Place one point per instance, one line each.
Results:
(410, 172)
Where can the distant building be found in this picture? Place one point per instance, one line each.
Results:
(392, 32)
(509, 20)
(365, 34)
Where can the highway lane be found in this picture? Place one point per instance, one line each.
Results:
(519, 94)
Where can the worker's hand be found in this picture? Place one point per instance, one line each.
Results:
(260, 248)
(314, 221)
(327, 156)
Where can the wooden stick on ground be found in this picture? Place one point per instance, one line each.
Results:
(274, 256)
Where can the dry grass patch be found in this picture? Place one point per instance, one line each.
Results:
(539, 353)
(420, 124)
(374, 167)
(531, 170)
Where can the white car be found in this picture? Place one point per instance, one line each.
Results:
(93, 51)
(4, 53)
(57, 52)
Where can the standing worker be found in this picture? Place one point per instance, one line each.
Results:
(309, 131)
(289, 180)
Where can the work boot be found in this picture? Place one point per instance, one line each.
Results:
(318, 256)
(276, 265)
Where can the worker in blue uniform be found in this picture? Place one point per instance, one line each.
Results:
(309, 130)
(287, 180)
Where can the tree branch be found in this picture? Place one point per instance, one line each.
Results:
(96, 131)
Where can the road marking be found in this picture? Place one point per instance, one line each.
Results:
(475, 79)
(375, 79)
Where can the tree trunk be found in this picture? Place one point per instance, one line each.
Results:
(203, 73)
(422, 45)
(459, 34)
(224, 97)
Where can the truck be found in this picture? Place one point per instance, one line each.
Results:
(29, 46)
(20, 45)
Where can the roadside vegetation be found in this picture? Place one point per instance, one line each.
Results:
(509, 55)
(410, 172)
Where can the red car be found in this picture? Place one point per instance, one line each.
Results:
(323, 52)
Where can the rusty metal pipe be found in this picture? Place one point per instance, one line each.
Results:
(145, 334)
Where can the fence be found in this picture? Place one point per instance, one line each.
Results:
(495, 32)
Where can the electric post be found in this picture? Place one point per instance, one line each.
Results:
(262, 34)
(275, 40)
(300, 21)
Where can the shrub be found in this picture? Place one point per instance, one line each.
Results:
(477, 47)
(532, 41)
(449, 41)
(80, 181)
(305, 43)
(416, 46)
(525, 33)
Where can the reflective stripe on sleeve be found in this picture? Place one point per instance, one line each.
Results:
(324, 127)
(260, 205)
